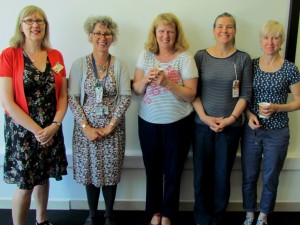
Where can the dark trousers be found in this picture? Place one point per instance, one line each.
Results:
(165, 148)
(213, 157)
(266, 148)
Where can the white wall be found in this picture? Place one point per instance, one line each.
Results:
(134, 18)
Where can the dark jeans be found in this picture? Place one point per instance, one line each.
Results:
(269, 149)
(213, 155)
(165, 148)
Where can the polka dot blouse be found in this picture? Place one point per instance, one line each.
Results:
(273, 87)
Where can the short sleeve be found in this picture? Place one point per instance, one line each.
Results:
(292, 73)
(141, 61)
(6, 63)
(189, 70)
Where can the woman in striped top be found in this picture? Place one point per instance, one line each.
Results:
(166, 77)
(224, 90)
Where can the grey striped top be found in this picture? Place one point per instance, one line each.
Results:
(216, 76)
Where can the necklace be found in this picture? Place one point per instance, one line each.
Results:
(101, 68)
(271, 65)
(32, 57)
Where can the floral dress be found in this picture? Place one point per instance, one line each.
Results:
(99, 162)
(27, 163)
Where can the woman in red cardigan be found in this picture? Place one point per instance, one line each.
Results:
(33, 92)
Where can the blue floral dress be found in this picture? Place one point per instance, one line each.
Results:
(27, 163)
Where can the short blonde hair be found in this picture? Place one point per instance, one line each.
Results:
(181, 43)
(274, 28)
(106, 21)
(19, 38)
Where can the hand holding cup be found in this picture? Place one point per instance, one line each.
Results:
(264, 110)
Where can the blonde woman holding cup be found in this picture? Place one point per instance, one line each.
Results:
(266, 133)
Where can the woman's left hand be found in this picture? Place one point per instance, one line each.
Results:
(160, 78)
(268, 111)
(45, 136)
(105, 131)
(225, 123)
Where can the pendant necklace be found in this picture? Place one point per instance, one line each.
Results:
(101, 68)
(31, 57)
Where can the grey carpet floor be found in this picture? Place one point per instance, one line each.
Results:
(77, 217)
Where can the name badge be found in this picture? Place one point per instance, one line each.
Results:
(58, 67)
(105, 110)
(99, 110)
(236, 88)
(99, 94)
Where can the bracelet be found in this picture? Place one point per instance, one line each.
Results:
(112, 124)
(234, 117)
(57, 123)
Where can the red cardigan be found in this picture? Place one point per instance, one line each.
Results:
(12, 65)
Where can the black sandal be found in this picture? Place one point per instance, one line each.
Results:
(46, 222)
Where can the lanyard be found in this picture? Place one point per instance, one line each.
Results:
(234, 65)
(96, 71)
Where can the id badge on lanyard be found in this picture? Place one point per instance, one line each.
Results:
(100, 108)
(235, 84)
(99, 94)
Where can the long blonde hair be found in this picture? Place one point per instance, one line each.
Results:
(181, 43)
(19, 38)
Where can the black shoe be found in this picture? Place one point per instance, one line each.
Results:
(89, 221)
(110, 221)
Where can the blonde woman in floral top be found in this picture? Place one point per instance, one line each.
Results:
(266, 132)
(33, 92)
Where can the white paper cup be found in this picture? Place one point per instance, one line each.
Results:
(263, 104)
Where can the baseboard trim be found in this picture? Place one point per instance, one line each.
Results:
(140, 205)
(134, 160)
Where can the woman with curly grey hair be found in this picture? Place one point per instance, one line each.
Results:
(99, 95)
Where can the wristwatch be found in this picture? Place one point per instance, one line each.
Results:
(83, 126)
(57, 123)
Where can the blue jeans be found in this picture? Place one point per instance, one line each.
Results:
(264, 150)
(213, 156)
(165, 148)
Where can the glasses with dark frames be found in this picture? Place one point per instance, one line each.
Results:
(31, 21)
(105, 35)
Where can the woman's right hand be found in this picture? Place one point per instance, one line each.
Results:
(253, 121)
(213, 122)
(151, 76)
(92, 133)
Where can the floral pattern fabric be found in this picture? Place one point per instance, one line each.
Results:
(27, 163)
(99, 162)
(273, 87)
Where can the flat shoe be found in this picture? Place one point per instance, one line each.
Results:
(110, 221)
(89, 221)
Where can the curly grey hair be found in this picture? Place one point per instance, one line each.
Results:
(106, 21)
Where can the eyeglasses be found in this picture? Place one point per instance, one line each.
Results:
(31, 21)
(105, 35)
